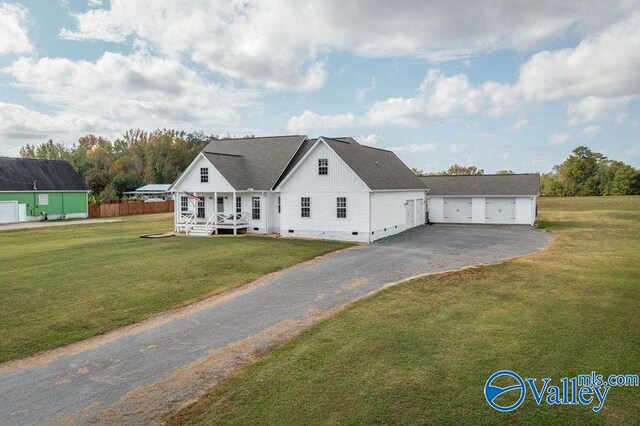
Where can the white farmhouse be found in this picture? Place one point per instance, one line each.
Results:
(331, 188)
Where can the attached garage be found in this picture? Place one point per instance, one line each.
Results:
(492, 199)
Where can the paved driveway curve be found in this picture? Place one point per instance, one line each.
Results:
(78, 385)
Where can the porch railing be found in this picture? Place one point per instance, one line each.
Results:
(186, 220)
(231, 218)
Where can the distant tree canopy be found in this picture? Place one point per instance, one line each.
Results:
(586, 172)
(505, 172)
(136, 158)
(457, 169)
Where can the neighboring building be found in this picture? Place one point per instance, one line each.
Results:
(497, 199)
(31, 188)
(151, 191)
(332, 188)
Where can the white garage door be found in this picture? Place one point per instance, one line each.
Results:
(457, 210)
(501, 210)
(8, 211)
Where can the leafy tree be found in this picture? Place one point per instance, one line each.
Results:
(417, 172)
(457, 169)
(505, 172)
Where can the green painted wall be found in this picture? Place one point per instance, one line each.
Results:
(59, 202)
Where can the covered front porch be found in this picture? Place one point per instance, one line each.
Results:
(205, 214)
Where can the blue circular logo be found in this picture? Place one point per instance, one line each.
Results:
(491, 392)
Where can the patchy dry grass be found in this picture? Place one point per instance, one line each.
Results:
(421, 352)
(63, 284)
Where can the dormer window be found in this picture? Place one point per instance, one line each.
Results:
(204, 174)
(323, 166)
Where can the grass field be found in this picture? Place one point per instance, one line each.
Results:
(421, 352)
(63, 284)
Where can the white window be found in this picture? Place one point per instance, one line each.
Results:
(238, 204)
(204, 174)
(184, 204)
(43, 199)
(255, 208)
(341, 204)
(323, 166)
(305, 207)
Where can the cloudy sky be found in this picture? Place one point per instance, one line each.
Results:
(511, 84)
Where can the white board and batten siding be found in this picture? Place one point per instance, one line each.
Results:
(491, 210)
(324, 190)
(371, 215)
(395, 211)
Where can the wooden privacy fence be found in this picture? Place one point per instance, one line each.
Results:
(126, 208)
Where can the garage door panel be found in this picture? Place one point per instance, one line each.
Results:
(8, 211)
(501, 210)
(457, 210)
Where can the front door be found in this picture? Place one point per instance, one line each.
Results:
(220, 204)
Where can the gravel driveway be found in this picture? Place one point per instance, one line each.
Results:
(141, 373)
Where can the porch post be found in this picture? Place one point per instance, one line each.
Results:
(235, 215)
(215, 211)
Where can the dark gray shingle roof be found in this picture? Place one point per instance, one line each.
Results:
(253, 162)
(19, 174)
(379, 168)
(517, 184)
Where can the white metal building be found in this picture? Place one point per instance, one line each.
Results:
(492, 199)
(330, 188)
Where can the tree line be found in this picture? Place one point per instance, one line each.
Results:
(136, 158)
(111, 168)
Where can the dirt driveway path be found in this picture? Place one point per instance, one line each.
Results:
(141, 373)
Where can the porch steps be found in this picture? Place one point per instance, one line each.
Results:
(200, 230)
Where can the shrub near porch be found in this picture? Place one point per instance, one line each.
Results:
(63, 284)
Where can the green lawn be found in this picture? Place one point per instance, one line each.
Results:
(63, 284)
(422, 351)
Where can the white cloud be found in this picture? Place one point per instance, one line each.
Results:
(138, 89)
(505, 156)
(622, 118)
(605, 65)
(414, 148)
(362, 92)
(457, 148)
(559, 138)
(280, 44)
(19, 122)
(520, 124)
(441, 97)
(634, 152)
(309, 121)
(589, 132)
(14, 37)
(594, 108)
(370, 140)
(94, 3)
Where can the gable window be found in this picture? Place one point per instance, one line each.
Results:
(201, 207)
(278, 204)
(204, 174)
(305, 207)
(323, 166)
(43, 199)
(238, 204)
(184, 204)
(255, 208)
(341, 205)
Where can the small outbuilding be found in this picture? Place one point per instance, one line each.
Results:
(495, 199)
(32, 189)
(152, 191)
